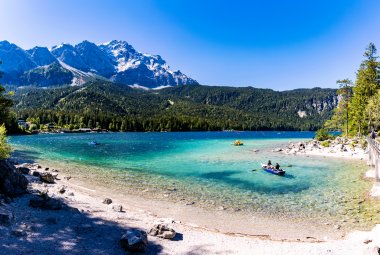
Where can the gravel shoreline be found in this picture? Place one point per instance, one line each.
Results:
(80, 227)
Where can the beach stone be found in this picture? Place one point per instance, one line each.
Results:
(36, 173)
(47, 177)
(62, 189)
(117, 208)
(134, 240)
(5, 218)
(162, 231)
(107, 201)
(23, 170)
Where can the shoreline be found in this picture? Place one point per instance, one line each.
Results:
(139, 213)
(142, 213)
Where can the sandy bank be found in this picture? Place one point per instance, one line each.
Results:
(87, 226)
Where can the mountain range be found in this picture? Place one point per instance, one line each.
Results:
(65, 64)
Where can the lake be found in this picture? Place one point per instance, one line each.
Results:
(206, 169)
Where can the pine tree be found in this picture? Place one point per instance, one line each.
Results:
(5, 105)
(367, 83)
(373, 111)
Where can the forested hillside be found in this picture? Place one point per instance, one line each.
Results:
(119, 107)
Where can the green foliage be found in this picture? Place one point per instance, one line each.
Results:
(359, 109)
(322, 135)
(363, 143)
(325, 143)
(4, 147)
(183, 108)
(372, 111)
(367, 83)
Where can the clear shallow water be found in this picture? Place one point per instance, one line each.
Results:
(205, 168)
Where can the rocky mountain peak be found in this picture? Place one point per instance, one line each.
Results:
(115, 61)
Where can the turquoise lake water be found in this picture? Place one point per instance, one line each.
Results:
(205, 168)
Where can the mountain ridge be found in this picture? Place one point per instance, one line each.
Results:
(115, 61)
(180, 108)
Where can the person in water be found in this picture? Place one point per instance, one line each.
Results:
(277, 166)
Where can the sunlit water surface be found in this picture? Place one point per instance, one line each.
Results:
(205, 168)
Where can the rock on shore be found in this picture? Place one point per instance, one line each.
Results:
(12, 183)
(340, 147)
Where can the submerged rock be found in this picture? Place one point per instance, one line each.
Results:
(134, 241)
(162, 231)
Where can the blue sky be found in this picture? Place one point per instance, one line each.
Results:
(268, 44)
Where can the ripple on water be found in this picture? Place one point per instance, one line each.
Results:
(205, 168)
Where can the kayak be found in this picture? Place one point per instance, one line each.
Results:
(273, 170)
(93, 143)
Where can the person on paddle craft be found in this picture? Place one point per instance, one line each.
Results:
(269, 165)
(277, 166)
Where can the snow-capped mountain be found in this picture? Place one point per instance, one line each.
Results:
(67, 64)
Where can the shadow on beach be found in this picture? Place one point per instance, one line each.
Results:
(65, 231)
(35, 231)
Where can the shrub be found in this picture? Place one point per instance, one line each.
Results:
(363, 143)
(5, 149)
(322, 135)
(325, 143)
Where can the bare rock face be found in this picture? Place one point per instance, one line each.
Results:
(163, 231)
(12, 183)
(134, 241)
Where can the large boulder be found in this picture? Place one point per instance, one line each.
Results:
(23, 170)
(12, 183)
(47, 177)
(163, 231)
(134, 241)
